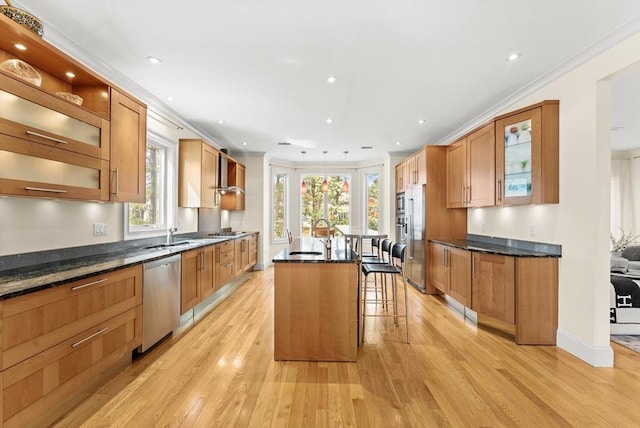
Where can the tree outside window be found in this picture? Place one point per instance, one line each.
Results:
(333, 205)
(280, 224)
(151, 213)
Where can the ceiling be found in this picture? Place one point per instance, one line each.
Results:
(262, 66)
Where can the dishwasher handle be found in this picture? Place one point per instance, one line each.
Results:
(162, 261)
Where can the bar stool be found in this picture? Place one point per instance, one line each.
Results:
(394, 268)
(383, 257)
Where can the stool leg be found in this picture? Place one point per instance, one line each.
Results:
(394, 288)
(406, 306)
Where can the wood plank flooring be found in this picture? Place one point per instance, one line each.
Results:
(221, 373)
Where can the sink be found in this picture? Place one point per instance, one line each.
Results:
(305, 253)
(173, 244)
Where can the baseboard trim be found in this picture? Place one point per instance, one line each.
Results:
(597, 356)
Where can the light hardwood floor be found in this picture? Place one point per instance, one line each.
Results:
(221, 373)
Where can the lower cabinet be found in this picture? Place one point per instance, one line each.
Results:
(451, 271)
(521, 293)
(61, 344)
(198, 272)
(225, 257)
(246, 253)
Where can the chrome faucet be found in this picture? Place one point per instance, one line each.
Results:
(170, 232)
(315, 224)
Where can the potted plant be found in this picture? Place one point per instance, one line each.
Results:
(618, 245)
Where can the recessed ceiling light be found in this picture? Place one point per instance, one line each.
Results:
(331, 79)
(329, 120)
(398, 143)
(421, 121)
(169, 98)
(244, 143)
(513, 56)
(154, 60)
(20, 47)
(70, 75)
(221, 122)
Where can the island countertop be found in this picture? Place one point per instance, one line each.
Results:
(312, 250)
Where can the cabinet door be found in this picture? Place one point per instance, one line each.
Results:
(128, 148)
(209, 176)
(481, 166)
(421, 167)
(239, 245)
(527, 168)
(207, 271)
(493, 279)
(438, 272)
(459, 262)
(411, 171)
(190, 273)
(400, 177)
(457, 174)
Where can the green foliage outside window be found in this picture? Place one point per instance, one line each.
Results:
(279, 206)
(150, 213)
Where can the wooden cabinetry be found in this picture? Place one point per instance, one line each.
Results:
(198, 274)
(62, 343)
(235, 177)
(400, 177)
(128, 148)
(253, 250)
(225, 258)
(52, 147)
(246, 253)
(197, 174)
(471, 170)
(493, 284)
(412, 171)
(527, 158)
(451, 271)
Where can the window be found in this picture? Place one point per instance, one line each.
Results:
(372, 181)
(152, 214)
(280, 207)
(334, 205)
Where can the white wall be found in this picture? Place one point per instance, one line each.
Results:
(580, 223)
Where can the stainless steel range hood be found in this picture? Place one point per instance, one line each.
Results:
(223, 169)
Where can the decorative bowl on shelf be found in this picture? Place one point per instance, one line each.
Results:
(23, 18)
(22, 70)
(76, 99)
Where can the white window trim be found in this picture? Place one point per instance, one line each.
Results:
(170, 191)
(287, 199)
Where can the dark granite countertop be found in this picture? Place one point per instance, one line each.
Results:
(315, 249)
(503, 247)
(28, 279)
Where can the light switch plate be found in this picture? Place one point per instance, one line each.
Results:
(99, 229)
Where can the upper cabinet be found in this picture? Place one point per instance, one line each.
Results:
(128, 148)
(197, 174)
(400, 179)
(471, 170)
(527, 165)
(412, 171)
(64, 131)
(235, 177)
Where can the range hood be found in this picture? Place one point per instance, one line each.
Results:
(223, 171)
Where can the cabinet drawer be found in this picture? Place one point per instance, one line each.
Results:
(226, 256)
(47, 119)
(225, 272)
(39, 390)
(253, 242)
(225, 246)
(253, 257)
(32, 169)
(40, 320)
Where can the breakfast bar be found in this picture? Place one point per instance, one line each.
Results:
(316, 301)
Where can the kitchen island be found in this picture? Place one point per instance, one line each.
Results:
(316, 301)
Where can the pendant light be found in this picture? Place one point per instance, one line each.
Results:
(345, 185)
(303, 185)
(325, 185)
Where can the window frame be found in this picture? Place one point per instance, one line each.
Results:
(287, 204)
(168, 193)
(325, 199)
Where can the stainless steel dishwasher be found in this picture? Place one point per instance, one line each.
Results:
(160, 299)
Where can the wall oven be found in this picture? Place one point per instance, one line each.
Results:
(401, 221)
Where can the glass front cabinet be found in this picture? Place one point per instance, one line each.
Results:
(527, 155)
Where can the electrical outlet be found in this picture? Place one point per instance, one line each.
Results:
(99, 229)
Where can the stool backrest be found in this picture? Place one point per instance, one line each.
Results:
(397, 253)
(386, 248)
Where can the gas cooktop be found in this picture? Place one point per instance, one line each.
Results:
(228, 233)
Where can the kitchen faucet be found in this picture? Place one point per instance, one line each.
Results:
(170, 232)
(315, 224)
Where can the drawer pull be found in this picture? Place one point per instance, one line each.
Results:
(44, 189)
(78, 287)
(80, 342)
(228, 264)
(46, 137)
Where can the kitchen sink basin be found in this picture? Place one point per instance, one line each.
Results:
(305, 253)
(173, 244)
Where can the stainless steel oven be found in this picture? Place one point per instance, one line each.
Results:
(400, 203)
